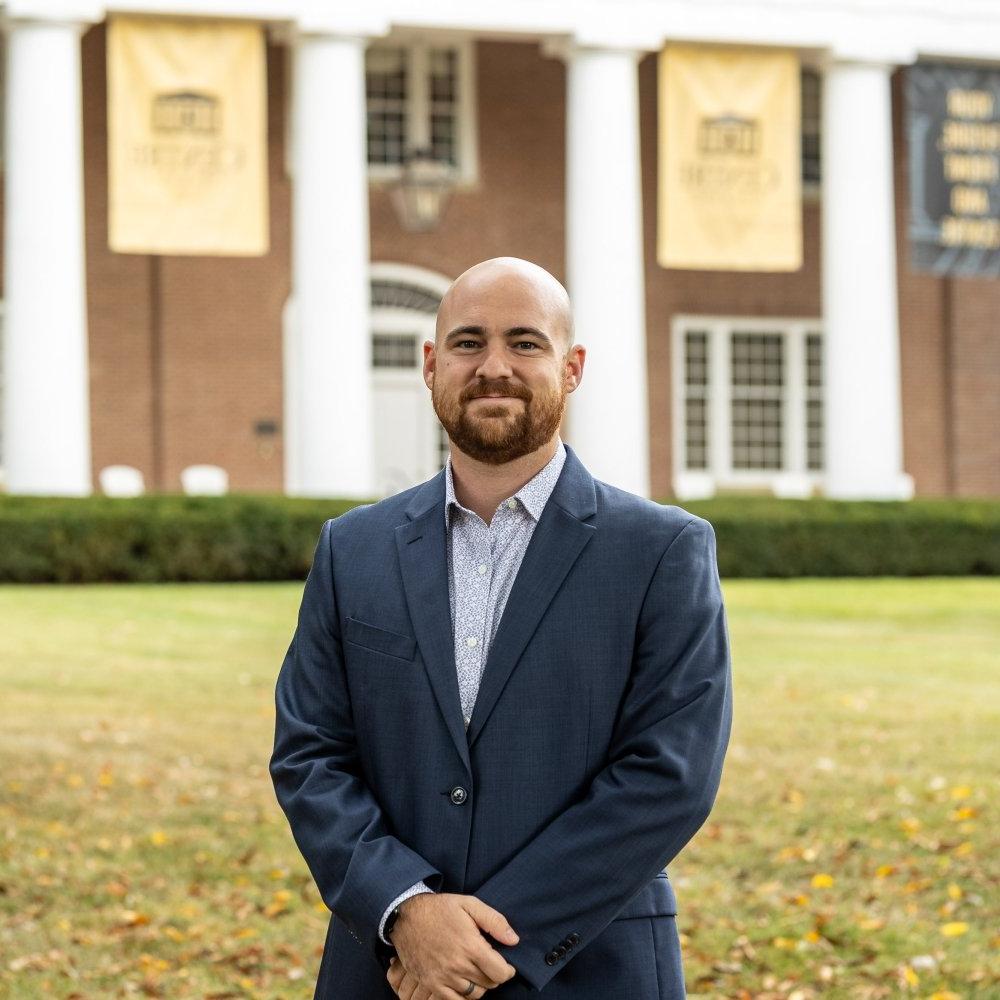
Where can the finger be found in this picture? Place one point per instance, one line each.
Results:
(395, 974)
(408, 987)
(476, 974)
(493, 965)
(492, 921)
(460, 994)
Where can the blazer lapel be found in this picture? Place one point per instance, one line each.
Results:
(556, 543)
(423, 562)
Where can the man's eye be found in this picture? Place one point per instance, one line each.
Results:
(466, 343)
(528, 343)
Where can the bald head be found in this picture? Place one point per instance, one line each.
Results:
(510, 282)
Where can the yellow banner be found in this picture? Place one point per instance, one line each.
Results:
(729, 160)
(187, 137)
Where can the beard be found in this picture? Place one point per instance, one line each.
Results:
(499, 433)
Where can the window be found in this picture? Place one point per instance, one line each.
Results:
(395, 351)
(756, 386)
(811, 84)
(748, 405)
(386, 91)
(419, 96)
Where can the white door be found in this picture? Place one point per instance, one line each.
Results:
(409, 441)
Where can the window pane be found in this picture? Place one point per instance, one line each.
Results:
(402, 295)
(443, 137)
(443, 74)
(811, 104)
(814, 402)
(385, 82)
(757, 359)
(756, 433)
(696, 399)
(443, 111)
(814, 358)
(390, 350)
(814, 435)
(696, 433)
(696, 358)
(757, 379)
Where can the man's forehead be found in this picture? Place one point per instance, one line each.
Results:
(498, 288)
(494, 313)
(502, 298)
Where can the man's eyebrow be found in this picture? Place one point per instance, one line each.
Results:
(514, 331)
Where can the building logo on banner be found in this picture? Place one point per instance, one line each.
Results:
(187, 137)
(954, 145)
(729, 160)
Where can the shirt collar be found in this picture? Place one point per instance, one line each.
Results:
(533, 495)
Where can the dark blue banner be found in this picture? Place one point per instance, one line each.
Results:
(953, 126)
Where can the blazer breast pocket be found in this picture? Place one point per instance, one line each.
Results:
(379, 640)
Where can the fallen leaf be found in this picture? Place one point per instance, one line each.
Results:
(954, 929)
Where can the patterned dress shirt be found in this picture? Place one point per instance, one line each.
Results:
(483, 560)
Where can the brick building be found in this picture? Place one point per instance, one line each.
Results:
(298, 371)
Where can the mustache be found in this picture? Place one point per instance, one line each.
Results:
(495, 388)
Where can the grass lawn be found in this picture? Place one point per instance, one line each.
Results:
(854, 850)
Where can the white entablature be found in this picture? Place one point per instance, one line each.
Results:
(888, 31)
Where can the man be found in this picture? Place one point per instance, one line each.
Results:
(507, 701)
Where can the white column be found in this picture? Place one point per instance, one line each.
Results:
(862, 410)
(330, 331)
(46, 400)
(608, 418)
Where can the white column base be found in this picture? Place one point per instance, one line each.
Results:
(899, 487)
(694, 485)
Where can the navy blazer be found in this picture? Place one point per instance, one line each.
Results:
(594, 752)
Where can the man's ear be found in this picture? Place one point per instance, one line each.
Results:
(574, 367)
(429, 362)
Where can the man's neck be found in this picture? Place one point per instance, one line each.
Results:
(480, 487)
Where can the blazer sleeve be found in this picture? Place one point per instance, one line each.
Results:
(358, 864)
(658, 787)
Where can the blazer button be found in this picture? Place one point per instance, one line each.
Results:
(573, 939)
(459, 795)
(551, 958)
(561, 950)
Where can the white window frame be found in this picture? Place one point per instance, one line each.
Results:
(794, 479)
(417, 49)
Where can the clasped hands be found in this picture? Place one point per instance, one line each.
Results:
(440, 946)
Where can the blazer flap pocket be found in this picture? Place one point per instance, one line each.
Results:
(379, 639)
(656, 899)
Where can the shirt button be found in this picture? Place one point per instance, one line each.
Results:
(482, 567)
(471, 641)
(512, 504)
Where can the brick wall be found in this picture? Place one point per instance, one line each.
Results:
(185, 352)
(949, 359)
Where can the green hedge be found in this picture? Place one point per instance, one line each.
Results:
(258, 537)
(760, 537)
(161, 537)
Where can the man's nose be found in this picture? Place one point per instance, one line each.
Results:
(495, 363)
